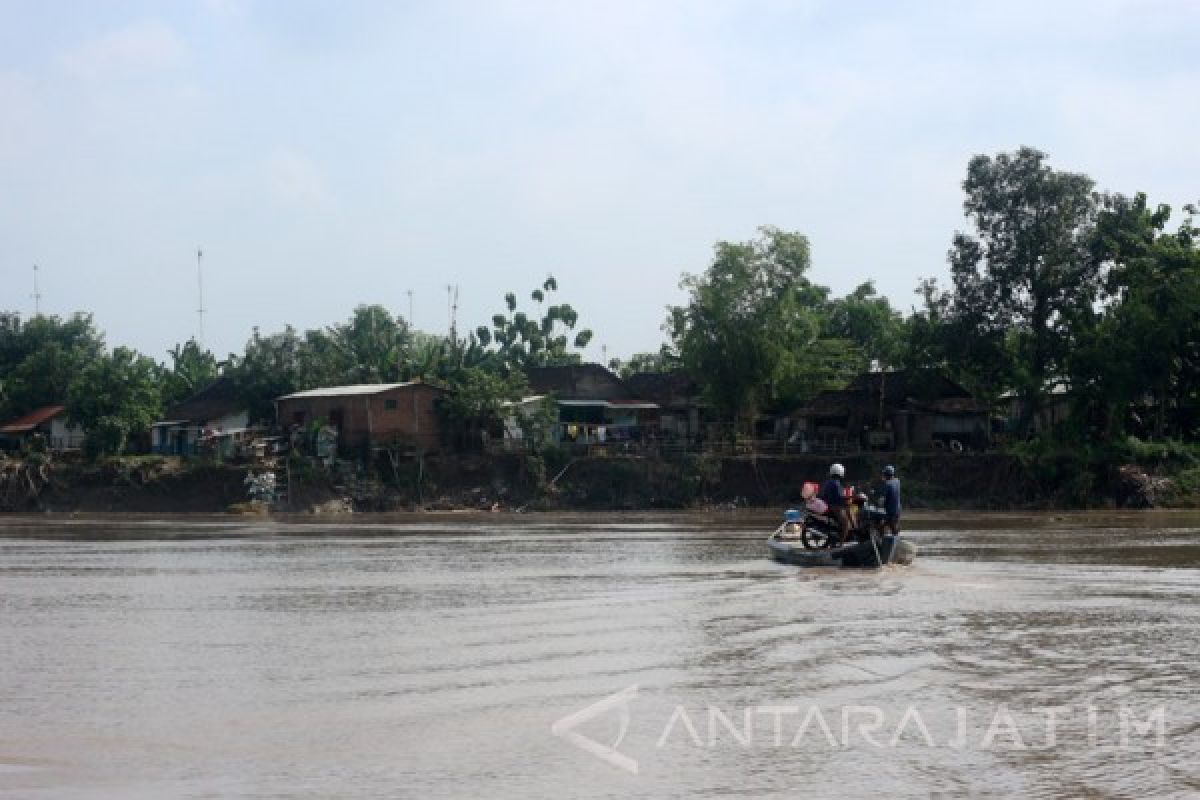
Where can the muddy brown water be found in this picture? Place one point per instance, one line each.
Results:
(635, 655)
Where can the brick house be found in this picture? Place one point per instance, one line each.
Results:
(369, 415)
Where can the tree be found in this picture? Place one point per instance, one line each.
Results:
(370, 348)
(476, 402)
(114, 397)
(1025, 273)
(41, 357)
(191, 369)
(1145, 342)
(269, 368)
(521, 340)
(440, 358)
(868, 319)
(663, 361)
(752, 325)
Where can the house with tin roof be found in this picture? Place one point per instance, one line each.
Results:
(594, 405)
(50, 423)
(895, 410)
(370, 414)
(211, 419)
(683, 414)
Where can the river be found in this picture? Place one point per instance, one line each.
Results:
(595, 656)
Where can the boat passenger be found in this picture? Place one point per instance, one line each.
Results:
(891, 500)
(835, 498)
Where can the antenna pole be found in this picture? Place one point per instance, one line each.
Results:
(37, 294)
(200, 286)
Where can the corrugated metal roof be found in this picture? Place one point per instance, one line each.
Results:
(354, 390)
(634, 404)
(523, 401)
(956, 405)
(32, 419)
(217, 399)
(577, 382)
(673, 388)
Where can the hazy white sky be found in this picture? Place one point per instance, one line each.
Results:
(326, 154)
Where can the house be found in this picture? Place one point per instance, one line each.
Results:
(902, 409)
(681, 409)
(369, 415)
(594, 405)
(1056, 408)
(515, 416)
(211, 420)
(49, 422)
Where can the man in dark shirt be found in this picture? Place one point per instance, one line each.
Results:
(891, 499)
(835, 498)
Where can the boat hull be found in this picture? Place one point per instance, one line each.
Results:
(861, 555)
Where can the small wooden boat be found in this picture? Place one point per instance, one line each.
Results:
(786, 545)
(891, 549)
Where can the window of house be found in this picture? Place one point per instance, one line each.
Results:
(389, 403)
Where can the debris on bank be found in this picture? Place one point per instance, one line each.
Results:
(1137, 488)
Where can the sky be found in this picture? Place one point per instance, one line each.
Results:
(329, 154)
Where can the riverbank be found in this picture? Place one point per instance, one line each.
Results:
(564, 482)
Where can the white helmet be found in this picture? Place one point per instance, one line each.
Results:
(837, 471)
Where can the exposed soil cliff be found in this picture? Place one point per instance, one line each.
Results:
(944, 480)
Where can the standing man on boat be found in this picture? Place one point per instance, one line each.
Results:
(891, 500)
(835, 498)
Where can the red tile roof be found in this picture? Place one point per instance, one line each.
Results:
(32, 419)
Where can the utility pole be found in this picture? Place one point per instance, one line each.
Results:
(410, 310)
(200, 286)
(452, 308)
(37, 294)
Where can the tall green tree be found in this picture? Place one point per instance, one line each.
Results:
(439, 359)
(867, 318)
(370, 347)
(1025, 272)
(191, 369)
(41, 356)
(752, 325)
(1143, 344)
(665, 360)
(476, 403)
(546, 337)
(270, 367)
(877, 330)
(115, 397)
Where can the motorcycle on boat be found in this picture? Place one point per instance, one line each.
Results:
(813, 538)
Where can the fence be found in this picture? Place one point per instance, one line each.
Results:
(659, 448)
